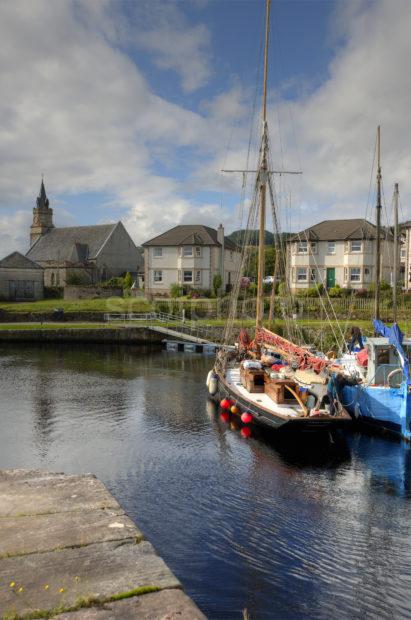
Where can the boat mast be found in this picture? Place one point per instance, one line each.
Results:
(262, 180)
(395, 275)
(378, 244)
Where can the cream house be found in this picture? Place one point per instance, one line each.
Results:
(338, 252)
(189, 255)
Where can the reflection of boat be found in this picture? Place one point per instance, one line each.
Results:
(276, 383)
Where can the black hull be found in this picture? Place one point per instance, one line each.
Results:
(269, 421)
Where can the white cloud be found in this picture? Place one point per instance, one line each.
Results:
(79, 109)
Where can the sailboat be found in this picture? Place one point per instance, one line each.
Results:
(271, 381)
(382, 399)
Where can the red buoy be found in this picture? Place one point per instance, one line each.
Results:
(246, 431)
(246, 417)
(225, 403)
(224, 416)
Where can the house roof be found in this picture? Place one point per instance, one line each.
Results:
(339, 230)
(18, 261)
(74, 243)
(190, 234)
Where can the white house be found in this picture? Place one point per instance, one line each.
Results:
(338, 252)
(189, 254)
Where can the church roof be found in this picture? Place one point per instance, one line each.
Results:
(190, 234)
(18, 261)
(74, 243)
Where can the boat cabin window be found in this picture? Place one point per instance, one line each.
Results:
(383, 356)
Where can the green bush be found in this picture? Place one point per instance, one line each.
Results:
(115, 282)
(282, 289)
(335, 291)
(53, 292)
(252, 289)
(346, 292)
(76, 279)
(175, 290)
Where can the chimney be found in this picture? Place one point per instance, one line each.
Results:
(220, 234)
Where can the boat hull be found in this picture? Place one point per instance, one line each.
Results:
(381, 408)
(267, 420)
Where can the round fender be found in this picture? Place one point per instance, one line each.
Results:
(213, 385)
(392, 374)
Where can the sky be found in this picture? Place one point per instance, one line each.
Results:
(131, 109)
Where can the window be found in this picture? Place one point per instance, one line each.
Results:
(366, 271)
(355, 274)
(355, 246)
(331, 247)
(313, 275)
(345, 274)
(158, 276)
(187, 250)
(301, 274)
(231, 255)
(402, 253)
(187, 276)
(157, 252)
(198, 277)
(198, 252)
(302, 247)
(313, 246)
(52, 279)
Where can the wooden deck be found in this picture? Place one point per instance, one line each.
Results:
(68, 550)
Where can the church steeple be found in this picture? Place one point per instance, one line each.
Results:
(42, 216)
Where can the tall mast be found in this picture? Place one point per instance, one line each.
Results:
(378, 244)
(262, 180)
(395, 275)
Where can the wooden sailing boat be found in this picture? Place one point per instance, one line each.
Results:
(271, 381)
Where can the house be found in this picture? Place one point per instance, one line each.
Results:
(338, 252)
(80, 254)
(189, 254)
(20, 278)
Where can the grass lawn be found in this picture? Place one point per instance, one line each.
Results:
(112, 304)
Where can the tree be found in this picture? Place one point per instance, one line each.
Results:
(128, 280)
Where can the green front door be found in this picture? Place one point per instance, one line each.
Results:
(330, 277)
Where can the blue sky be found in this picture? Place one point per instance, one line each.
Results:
(131, 108)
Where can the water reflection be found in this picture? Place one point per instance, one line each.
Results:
(287, 527)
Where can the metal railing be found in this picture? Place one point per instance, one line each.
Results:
(188, 327)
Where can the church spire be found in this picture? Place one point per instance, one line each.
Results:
(42, 216)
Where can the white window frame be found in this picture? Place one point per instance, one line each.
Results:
(355, 269)
(299, 272)
(355, 241)
(158, 276)
(403, 252)
(157, 252)
(345, 274)
(302, 247)
(186, 281)
(331, 247)
(197, 276)
(187, 248)
(198, 251)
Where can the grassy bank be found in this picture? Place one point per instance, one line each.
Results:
(112, 304)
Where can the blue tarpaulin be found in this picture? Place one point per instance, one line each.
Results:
(395, 337)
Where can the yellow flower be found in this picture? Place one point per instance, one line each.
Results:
(21, 589)
(61, 590)
(76, 578)
(12, 584)
(46, 587)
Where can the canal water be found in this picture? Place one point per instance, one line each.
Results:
(285, 529)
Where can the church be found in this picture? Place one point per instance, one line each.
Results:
(79, 254)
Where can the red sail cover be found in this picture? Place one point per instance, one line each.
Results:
(303, 358)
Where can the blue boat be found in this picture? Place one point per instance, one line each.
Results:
(383, 398)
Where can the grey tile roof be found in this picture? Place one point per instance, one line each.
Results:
(190, 234)
(18, 261)
(74, 244)
(339, 230)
